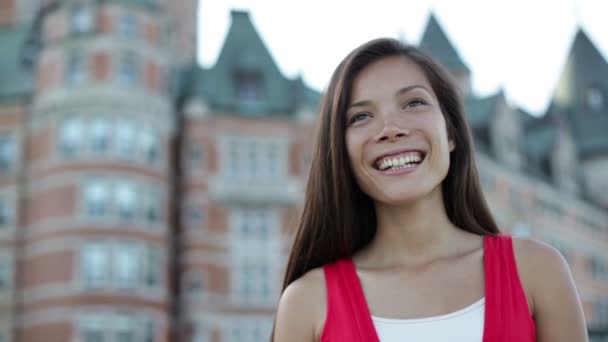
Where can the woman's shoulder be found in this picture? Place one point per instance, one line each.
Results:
(302, 306)
(537, 262)
(557, 310)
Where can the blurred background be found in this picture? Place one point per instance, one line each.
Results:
(154, 153)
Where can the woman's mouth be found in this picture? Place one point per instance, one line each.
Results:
(400, 161)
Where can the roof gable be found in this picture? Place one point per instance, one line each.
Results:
(246, 79)
(436, 43)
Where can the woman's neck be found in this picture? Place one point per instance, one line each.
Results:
(413, 233)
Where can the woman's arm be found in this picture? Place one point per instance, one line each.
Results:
(557, 308)
(301, 309)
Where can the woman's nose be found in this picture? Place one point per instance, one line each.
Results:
(392, 132)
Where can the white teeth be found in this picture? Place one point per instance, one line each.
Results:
(404, 161)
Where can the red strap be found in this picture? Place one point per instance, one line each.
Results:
(348, 317)
(507, 316)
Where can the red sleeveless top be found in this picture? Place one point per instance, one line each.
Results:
(507, 316)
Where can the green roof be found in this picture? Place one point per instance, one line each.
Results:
(585, 68)
(15, 80)
(481, 109)
(436, 43)
(244, 53)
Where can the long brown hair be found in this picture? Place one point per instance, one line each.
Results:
(338, 219)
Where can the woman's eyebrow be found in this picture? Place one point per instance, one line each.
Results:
(359, 104)
(398, 93)
(410, 88)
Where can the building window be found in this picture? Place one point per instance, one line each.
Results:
(76, 69)
(81, 20)
(599, 268)
(126, 200)
(125, 136)
(193, 283)
(249, 330)
(194, 156)
(120, 265)
(192, 215)
(249, 86)
(254, 223)
(125, 328)
(128, 25)
(115, 327)
(8, 152)
(71, 136)
(127, 70)
(149, 144)
(151, 206)
(96, 198)
(152, 268)
(5, 275)
(5, 213)
(251, 159)
(92, 327)
(149, 331)
(595, 98)
(100, 135)
(126, 266)
(95, 264)
(254, 283)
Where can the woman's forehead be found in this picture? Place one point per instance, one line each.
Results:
(386, 77)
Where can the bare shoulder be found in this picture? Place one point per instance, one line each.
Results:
(537, 260)
(530, 253)
(301, 309)
(549, 285)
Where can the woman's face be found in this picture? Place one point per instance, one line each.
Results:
(396, 135)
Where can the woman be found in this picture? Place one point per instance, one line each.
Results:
(396, 242)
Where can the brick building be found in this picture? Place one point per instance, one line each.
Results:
(145, 198)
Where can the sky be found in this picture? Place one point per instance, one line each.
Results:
(517, 45)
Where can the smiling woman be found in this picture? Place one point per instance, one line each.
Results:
(396, 241)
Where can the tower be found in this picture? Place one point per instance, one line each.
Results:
(95, 211)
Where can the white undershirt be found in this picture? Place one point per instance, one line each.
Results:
(465, 325)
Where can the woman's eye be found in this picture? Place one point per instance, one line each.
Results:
(415, 103)
(359, 117)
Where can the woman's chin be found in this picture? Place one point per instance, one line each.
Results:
(404, 197)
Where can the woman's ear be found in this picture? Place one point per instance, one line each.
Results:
(451, 145)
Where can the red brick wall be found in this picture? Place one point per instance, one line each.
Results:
(12, 115)
(295, 159)
(48, 332)
(101, 66)
(56, 202)
(152, 76)
(218, 279)
(49, 268)
(40, 144)
(218, 218)
(151, 32)
(104, 21)
(47, 75)
(7, 12)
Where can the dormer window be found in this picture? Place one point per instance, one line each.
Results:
(249, 86)
(595, 98)
(81, 20)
